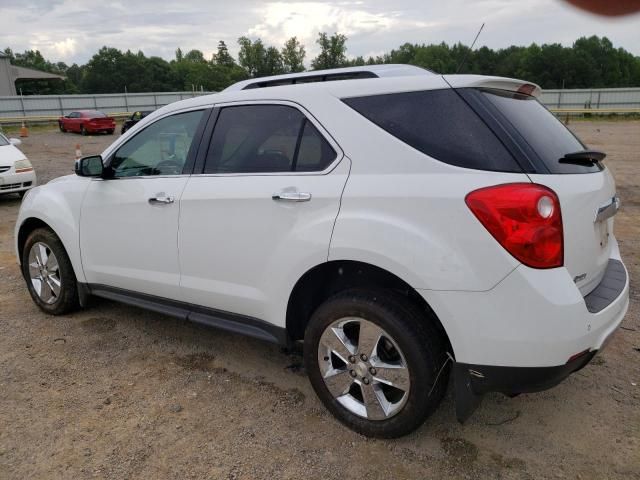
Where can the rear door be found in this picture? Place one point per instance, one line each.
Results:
(583, 188)
(261, 212)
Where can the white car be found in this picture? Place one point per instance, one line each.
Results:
(16, 172)
(401, 228)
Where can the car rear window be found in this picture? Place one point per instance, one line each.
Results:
(93, 114)
(440, 124)
(549, 139)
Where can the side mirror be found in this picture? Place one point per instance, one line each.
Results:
(89, 166)
(16, 142)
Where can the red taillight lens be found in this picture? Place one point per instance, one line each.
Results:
(525, 219)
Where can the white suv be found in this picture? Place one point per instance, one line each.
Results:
(403, 228)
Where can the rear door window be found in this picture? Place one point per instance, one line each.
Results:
(549, 139)
(266, 139)
(440, 124)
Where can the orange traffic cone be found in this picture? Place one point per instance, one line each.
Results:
(24, 131)
(78, 151)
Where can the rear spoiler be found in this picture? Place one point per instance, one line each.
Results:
(499, 83)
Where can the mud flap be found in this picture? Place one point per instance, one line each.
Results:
(84, 294)
(467, 400)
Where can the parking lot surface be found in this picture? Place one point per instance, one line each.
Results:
(117, 392)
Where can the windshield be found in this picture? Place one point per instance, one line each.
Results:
(3, 140)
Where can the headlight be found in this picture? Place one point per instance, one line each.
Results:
(23, 166)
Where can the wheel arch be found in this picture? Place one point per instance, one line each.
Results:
(28, 226)
(329, 278)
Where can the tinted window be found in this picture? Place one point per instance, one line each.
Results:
(314, 153)
(544, 133)
(266, 138)
(160, 149)
(440, 124)
(93, 114)
(3, 140)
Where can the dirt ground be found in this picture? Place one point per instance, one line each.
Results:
(117, 392)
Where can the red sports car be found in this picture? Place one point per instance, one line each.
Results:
(87, 121)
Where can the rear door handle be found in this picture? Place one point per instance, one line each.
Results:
(292, 196)
(161, 199)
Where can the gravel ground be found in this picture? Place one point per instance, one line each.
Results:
(117, 392)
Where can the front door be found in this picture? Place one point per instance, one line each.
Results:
(129, 224)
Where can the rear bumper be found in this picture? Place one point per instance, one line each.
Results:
(473, 381)
(532, 318)
(515, 380)
(99, 129)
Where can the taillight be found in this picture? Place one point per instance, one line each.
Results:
(525, 219)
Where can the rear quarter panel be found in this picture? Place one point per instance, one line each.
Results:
(404, 211)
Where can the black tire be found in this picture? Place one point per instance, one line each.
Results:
(110, 132)
(83, 131)
(67, 300)
(421, 344)
(62, 129)
(22, 193)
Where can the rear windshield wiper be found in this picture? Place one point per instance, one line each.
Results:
(583, 157)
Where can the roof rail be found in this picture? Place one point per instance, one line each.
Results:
(348, 73)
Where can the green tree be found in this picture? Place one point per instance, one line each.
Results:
(102, 72)
(252, 56)
(333, 52)
(222, 57)
(293, 54)
(273, 64)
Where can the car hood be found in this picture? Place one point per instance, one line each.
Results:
(9, 155)
(66, 178)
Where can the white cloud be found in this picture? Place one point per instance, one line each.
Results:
(65, 48)
(282, 20)
(72, 30)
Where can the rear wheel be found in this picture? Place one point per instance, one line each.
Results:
(373, 358)
(48, 272)
(110, 132)
(83, 131)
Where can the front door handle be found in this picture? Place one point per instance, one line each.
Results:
(161, 199)
(292, 196)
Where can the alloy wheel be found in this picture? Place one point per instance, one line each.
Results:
(363, 368)
(44, 273)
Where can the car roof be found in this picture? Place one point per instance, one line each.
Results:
(360, 72)
(304, 92)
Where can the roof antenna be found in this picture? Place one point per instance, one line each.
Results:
(470, 49)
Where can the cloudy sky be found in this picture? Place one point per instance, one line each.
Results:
(72, 30)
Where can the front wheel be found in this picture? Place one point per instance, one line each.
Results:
(61, 126)
(48, 272)
(83, 131)
(376, 362)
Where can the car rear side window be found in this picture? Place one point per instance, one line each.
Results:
(266, 139)
(440, 124)
(540, 129)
